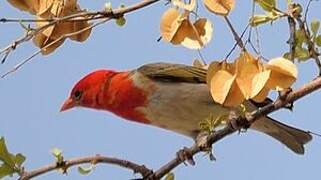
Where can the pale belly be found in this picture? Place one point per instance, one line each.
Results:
(180, 107)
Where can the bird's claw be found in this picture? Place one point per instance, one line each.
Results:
(201, 141)
(185, 154)
(283, 94)
(238, 123)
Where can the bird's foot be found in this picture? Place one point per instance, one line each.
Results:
(201, 141)
(282, 96)
(238, 123)
(185, 154)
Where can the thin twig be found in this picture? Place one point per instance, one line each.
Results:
(306, 11)
(235, 44)
(236, 36)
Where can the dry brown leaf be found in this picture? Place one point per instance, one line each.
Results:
(56, 31)
(30, 6)
(284, 66)
(221, 80)
(47, 31)
(205, 30)
(221, 84)
(184, 30)
(40, 40)
(193, 36)
(225, 90)
(62, 8)
(220, 7)
(44, 8)
(78, 26)
(216, 66)
(247, 69)
(235, 96)
(283, 73)
(170, 22)
(177, 29)
(212, 69)
(57, 8)
(259, 89)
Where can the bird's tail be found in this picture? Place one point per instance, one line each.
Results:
(292, 137)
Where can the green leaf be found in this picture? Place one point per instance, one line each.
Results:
(300, 37)
(19, 159)
(286, 55)
(58, 154)
(259, 19)
(267, 5)
(87, 170)
(318, 40)
(170, 176)
(10, 163)
(315, 25)
(302, 54)
(121, 21)
(5, 156)
(6, 170)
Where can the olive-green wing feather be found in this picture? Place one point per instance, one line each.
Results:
(173, 72)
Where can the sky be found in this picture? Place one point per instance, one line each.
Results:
(30, 100)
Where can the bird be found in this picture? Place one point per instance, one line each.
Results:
(169, 96)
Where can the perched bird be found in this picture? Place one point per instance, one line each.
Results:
(169, 96)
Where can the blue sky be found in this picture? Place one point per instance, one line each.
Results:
(31, 98)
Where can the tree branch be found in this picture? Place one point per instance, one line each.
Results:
(85, 160)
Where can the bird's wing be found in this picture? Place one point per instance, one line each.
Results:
(168, 72)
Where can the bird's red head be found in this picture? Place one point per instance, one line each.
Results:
(85, 93)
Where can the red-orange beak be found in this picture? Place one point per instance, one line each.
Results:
(68, 104)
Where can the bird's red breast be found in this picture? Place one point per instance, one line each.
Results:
(122, 97)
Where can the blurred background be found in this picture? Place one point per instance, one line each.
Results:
(30, 100)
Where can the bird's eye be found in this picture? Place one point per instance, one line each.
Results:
(77, 95)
